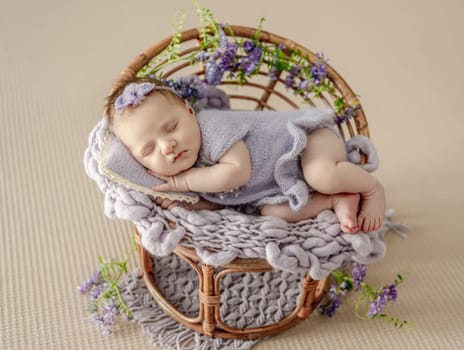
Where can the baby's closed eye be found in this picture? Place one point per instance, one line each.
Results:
(171, 126)
(148, 150)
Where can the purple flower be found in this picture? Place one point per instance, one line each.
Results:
(190, 87)
(333, 306)
(222, 36)
(96, 319)
(255, 54)
(334, 303)
(95, 293)
(109, 315)
(87, 285)
(132, 95)
(376, 306)
(105, 321)
(343, 288)
(347, 114)
(201, 56)
(227, 61)
(304, 84)
(290, 78)
(358, 275)
(319, 70)
(387, 294)
(248, 45)
(248, 66)
(390, 292)
(213, 73)
(251, 62)
(350, 112)
(99, 322)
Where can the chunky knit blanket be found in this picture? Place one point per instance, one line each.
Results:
(317, 246)
(247, 300)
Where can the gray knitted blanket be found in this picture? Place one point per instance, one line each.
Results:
(247, 300)
(316, 246)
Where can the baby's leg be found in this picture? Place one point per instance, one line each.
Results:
(326, 170)
(341, 203)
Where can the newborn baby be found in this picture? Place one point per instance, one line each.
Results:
(166, 136)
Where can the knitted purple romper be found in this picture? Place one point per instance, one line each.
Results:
(275, 140)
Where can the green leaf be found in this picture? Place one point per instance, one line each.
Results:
(260, 27)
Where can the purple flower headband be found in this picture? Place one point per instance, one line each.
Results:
(134, 94)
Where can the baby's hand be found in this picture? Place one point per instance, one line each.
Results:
(175, 183)
(166, 204)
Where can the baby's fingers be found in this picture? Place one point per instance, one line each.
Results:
(165, 203)
(162, 187)
(173, 204)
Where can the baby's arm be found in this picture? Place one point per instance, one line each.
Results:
(232, 170)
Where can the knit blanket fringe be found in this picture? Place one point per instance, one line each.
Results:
(164, 331)
(247, 300)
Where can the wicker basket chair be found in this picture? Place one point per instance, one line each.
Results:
(260, 92)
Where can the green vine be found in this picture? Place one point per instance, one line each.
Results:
(274, 58)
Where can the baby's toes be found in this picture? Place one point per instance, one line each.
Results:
(369, 225)
(361, 221)
(377, 224)
(349, 229)
(380, 222)
(373, 226)
(366, 225)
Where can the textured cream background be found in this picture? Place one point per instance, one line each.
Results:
(57, 61)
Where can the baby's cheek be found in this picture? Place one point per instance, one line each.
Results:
(149, 164)
(152, 166)
(163, 168)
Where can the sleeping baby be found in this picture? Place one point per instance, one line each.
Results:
(288, 164)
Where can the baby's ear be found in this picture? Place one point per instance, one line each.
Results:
(189, 107)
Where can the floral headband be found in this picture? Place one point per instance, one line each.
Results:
(135, 93)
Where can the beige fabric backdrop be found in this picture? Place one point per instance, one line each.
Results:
(57, 61)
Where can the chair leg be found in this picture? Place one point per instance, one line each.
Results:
(308, 294)
(209, 299)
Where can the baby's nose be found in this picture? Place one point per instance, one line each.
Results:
(168, 146)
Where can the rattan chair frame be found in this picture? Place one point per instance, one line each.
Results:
(208, 320)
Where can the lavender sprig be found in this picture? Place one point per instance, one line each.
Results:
(105, 299)
(88, 284)
(330, 307)
(358, 274)
(375, 300)
(222, 54)
(319, 70)
(105, 318)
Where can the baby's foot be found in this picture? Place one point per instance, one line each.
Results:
(345, 206)
(370, 216)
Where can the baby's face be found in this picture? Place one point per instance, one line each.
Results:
(162, 135)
